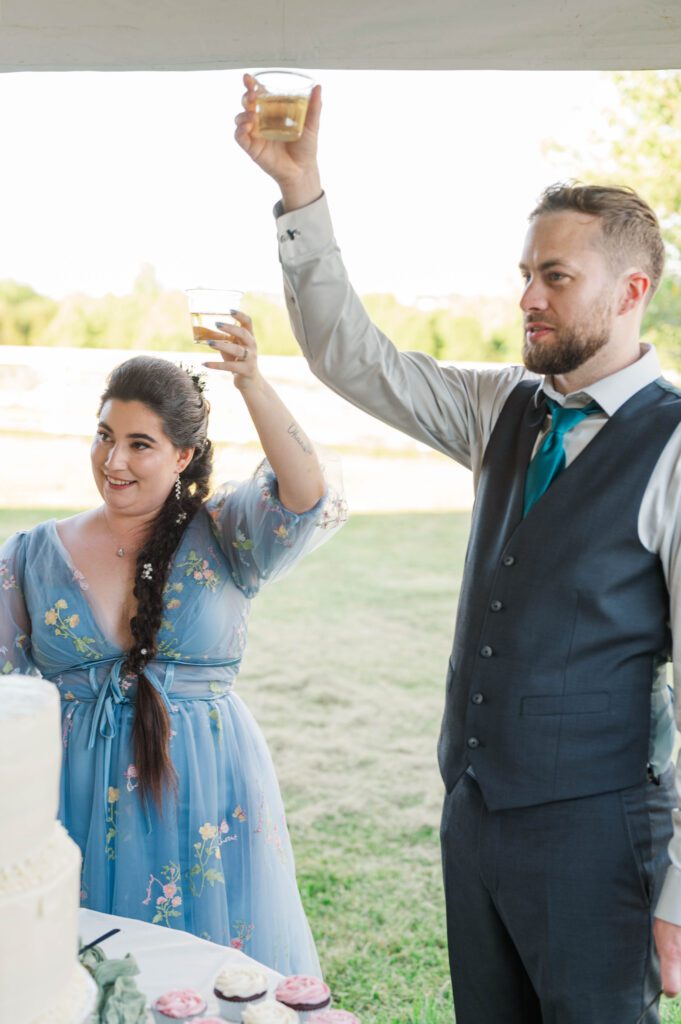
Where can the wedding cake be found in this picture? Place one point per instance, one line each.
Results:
(41, 980)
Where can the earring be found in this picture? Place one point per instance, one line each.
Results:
(178, 488)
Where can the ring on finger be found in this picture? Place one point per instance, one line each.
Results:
(244, 355)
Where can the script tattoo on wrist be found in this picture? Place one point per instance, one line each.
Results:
(294, 431)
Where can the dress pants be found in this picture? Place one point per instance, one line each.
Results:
(550, 908)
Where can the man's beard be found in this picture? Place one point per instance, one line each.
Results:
(570, 347)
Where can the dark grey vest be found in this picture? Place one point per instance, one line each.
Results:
(562, 616)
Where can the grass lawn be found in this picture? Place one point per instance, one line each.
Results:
(345, 674)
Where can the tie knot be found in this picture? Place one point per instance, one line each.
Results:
(564, 419)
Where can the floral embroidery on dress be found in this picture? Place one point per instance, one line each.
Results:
(217, 505)
(214, 716)
(238, 642)
(212, 838)
(334, 512)
(9, 580)
(21, 643)
(269, 829)
(65, 625)
(171, 894)
(244, 933)
(239, 813)
(166, 648)
(111, 821)
(200, 569)
(78, 578)
(266, 499)
(285, 535)
(242, 542)
(172, 603)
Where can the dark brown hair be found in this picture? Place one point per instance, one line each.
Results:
(631, 231)
(177, 399)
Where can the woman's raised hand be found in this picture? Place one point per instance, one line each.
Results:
(237, 346)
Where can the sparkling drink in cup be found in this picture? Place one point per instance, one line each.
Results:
(281, 104)
(211, 306)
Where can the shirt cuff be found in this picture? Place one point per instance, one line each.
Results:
(669, 904)
(305, 232)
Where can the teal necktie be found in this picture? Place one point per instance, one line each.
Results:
(550, 458)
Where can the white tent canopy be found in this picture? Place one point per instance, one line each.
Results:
(54, 35)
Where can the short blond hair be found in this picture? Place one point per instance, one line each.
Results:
(631, 231)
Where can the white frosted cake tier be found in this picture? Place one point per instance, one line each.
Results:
(76, 1002)
(41, 980)
(30, 763)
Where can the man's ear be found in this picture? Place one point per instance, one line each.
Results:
(636, 290)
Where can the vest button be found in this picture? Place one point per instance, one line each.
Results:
(496, 606)
(509, 560)
(486, 651)
(472, 742)
(477, 698)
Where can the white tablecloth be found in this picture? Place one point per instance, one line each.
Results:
(167, 958)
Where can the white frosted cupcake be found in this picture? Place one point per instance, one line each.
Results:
(183, 1005)
(269, 1012)
(235, 988)
(304, 994)
(333, 1017)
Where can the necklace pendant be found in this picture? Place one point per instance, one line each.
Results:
(120, 552)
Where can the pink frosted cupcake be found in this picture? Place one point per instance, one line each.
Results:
(183, 1005)
(303, 994)
(332, 1017)
(235, 988)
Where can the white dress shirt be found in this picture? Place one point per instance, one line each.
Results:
(454, 410)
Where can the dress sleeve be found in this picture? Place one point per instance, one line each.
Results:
(260, 537)
(15, 624)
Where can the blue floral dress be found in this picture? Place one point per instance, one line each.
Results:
(218, 861)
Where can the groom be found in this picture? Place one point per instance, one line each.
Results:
(557, 732)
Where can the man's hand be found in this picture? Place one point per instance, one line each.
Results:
(668, 942)
(293, 165)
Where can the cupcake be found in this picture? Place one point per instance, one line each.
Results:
(269, 1012)
(179, 1005)
(235, 988)
(304, 995)
(332, 1017)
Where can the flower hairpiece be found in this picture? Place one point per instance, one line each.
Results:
(197, 378)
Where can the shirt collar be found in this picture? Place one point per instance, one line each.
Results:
(613, 391)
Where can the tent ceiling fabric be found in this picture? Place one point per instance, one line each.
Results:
(54, 35)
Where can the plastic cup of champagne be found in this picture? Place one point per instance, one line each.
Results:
(210, 306)
(281, 104)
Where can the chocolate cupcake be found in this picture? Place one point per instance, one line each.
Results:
(303, 994)
(235, 988)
